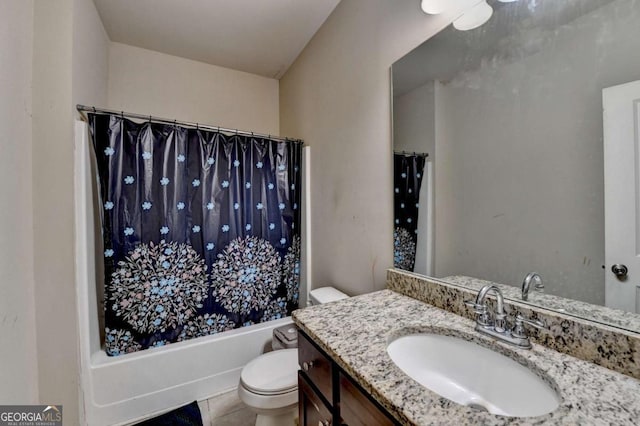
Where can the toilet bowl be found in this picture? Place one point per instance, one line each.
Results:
(269, 384)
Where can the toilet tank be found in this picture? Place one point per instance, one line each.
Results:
(322, 295)
(286, 336)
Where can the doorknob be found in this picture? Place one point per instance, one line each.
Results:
(620, 271)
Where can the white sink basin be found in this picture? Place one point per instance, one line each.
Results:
(472, 375)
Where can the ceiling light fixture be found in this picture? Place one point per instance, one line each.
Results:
(474, 17)
(433, 7)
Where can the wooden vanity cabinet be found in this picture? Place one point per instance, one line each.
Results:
(357, 408)
(312, 410)
(317, 366)
(328, 396)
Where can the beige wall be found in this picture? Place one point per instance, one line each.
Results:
(414, 126)
(53, 206)
(336, 96)
(69, 66)
(90, 72)
(90, 55)
(18, 362)
(148, 82)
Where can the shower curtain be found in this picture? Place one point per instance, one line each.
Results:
(201, 230)
(407, 177)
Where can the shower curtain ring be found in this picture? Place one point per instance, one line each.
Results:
(122, 114)
(94, 110)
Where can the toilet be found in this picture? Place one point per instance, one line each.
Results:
(269, 384)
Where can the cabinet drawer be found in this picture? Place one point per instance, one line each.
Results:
(316, 366)
(357, 409)
(311, 409)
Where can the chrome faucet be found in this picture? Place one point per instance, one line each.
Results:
(497, 326)
(526, 284)
(499, 315)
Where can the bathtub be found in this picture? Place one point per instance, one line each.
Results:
(123, 389)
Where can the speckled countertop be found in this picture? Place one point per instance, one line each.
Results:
(602, 314)
(355, 333)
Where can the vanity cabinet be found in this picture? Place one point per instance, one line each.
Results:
(328, 396)
(311, 408)
(356, 408)
(317, 366)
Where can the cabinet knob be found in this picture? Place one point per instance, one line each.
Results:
(306, 366)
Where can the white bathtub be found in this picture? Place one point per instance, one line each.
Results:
(122, 389)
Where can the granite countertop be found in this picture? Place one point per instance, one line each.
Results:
(355, 333)
(602, 314)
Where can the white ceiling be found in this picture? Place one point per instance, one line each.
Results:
(257, 36)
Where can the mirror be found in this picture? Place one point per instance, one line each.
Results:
(520, 139)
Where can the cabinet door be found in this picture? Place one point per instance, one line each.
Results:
(311, 409)
(316, 365)
(357, 409)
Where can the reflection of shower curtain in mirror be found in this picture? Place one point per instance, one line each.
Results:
(407, 178)
(201, 230)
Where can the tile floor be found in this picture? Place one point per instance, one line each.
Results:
(226, 410)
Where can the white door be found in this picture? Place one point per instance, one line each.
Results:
(622, 195)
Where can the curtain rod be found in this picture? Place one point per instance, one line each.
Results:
(411, 153)
(83, 108)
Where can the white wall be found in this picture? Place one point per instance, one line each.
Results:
(336, 97)
(18, 362)
(148, 82)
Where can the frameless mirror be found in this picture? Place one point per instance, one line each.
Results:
(516, 150)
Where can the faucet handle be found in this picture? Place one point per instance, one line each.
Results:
(470, 303)
(477, 308)
(482, 316)
(519, 330)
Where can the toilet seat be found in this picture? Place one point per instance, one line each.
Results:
(268, 404)
(274, 373)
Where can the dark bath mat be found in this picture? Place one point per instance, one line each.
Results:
(189, 415)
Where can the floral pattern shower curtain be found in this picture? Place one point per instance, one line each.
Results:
(407, 178)
(201, 230)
